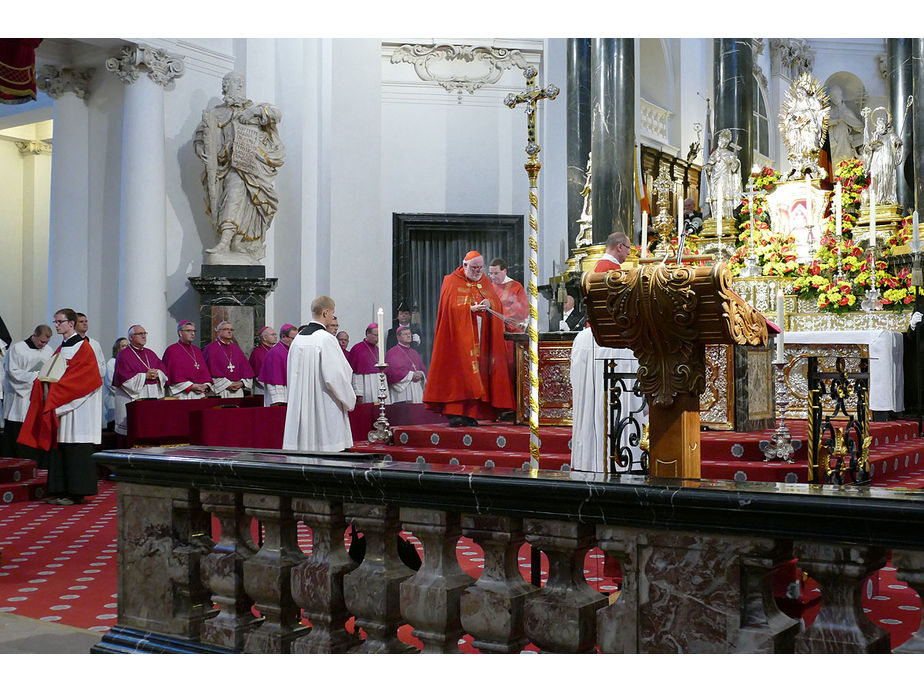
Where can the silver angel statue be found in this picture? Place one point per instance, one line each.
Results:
(882, 154)
(239, 144)
(804, 123)
(723, 174)
(586, 222)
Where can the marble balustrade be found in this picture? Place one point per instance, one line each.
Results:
(696, 557)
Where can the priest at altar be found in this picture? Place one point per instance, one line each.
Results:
(363, 358)
(617, 250)
(513, 298)
(139, 374)
(230, 371)
(188, 374)
(273, 371)
(469, 378)
(406, 372)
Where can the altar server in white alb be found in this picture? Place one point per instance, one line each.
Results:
(20, 366)
(588, 444)
(66, 415)
(320, 387)
(139, 374)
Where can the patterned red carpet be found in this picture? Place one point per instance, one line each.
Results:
(59, 564)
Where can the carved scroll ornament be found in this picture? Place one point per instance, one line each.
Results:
(459, 68)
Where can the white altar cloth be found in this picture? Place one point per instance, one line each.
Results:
(886, 375)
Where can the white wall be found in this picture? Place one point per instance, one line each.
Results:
(11, 224)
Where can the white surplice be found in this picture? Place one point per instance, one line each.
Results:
(406, 390)
(81, 419)
(220, 387)
(588, 451)
(320, 394)
(132, 389)
(274, 394)
(20, 368)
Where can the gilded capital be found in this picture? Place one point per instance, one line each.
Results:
(161, 67)
(56, 81)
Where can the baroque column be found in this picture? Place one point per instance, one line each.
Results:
(69, 237)
(612, 97)
(142, 212)
(733, 86)
(917, 113)
(579, 119)
(898, 54)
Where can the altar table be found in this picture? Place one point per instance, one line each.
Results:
(886, 374)
(166, 421)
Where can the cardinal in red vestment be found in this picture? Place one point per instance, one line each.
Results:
(468, 377)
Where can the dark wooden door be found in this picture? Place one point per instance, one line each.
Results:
(429, 246)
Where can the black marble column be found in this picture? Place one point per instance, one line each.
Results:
(898, 52)
(612, 97)
(733, 86)
(917, 115)
(578, 129)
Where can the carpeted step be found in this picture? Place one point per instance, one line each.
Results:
(29, 490)
(464, 457)
(14, 470)
(552, 439)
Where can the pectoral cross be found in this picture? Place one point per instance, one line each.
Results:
(231, 367)
(530, 97)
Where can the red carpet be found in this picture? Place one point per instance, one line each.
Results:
(59, 564)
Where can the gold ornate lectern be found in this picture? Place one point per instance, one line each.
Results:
(667, 314)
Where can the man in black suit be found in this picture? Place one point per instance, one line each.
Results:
(573, 319)
(404, 318)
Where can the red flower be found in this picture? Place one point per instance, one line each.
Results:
(843, 302)
(908, 299)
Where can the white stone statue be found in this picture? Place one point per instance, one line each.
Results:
(804, 123)
(586, 222)
(723, 173)
(844, 128)
(242, 152)
(882, 154)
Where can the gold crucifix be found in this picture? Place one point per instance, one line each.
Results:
(530, 97)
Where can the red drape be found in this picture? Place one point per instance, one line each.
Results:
(17, 70)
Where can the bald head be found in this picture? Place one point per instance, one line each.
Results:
(617, 245)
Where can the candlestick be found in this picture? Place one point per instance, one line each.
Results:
(779, 319)
(381, 321)
(644, 249)
(915, 238)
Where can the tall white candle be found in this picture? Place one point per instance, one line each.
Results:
(719, 211)
(779, 320)
(838, 211)
(644, 249)
(751, 209)
(915, 235)
(872, 216)
(381, 321)
(679, 209)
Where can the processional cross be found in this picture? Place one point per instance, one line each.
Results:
(531, 97)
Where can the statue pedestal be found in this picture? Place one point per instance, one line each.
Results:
(236, 293)
(888, 221)
(716, 241)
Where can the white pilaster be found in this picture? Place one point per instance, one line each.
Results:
(142, 211)
(68, 252)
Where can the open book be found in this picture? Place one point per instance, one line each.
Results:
(52, 370)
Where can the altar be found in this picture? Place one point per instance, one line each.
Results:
(884, 348)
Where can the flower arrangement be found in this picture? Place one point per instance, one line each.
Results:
(900, 237)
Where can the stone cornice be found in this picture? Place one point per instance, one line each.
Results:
(56, 81)
(161, 67)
